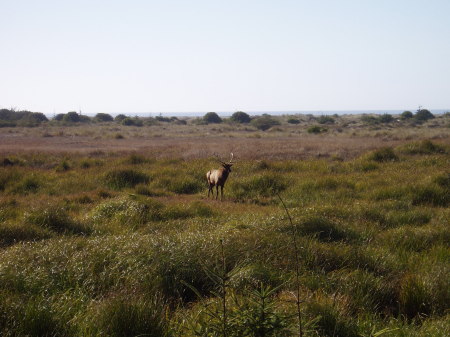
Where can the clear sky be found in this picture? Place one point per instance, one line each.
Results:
(227, 55)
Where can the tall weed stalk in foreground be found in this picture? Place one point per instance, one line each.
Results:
(297, 267)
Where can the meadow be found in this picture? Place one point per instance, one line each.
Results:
(106, 230)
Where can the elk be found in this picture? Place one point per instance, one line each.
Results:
(219, 177)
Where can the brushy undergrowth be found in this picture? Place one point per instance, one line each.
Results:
(123, 178)
(134, 250)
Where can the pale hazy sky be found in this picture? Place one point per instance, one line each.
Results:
(228, 55)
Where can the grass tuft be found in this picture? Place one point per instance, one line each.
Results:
(118, 179)
(383, 155)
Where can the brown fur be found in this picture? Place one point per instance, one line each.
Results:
(218, 178)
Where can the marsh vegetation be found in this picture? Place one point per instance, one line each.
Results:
(117, 241)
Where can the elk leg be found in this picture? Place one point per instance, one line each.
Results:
(221, 190)
(209, 190)
(217, 191)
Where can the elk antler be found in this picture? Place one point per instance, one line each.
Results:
(231, 159)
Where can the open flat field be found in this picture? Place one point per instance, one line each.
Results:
(346, 138)
(106, 230)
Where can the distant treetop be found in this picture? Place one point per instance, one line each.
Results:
(103, 117)
(212, 117)
(240, 117)
(423, 115)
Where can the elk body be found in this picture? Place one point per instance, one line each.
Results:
(218, 177)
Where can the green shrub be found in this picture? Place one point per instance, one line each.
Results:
(120, 117)
(386, 118)
(316, 129)
(182, 185)
(385, 154)
(38, 319)
(264, 122)
(63, 166)
(123, 178)
(443, 180)
(240, 117)
(127, 121)
(325, 120)
(430, 195)
(127, 212)
(422, 147)
(212, 117)
(293, 121)
(71, 117)
(413, 297)
(423, 115)
(258, 186)
(54, 218)
(29, 184)
(325, 230)
(122, 317)
(103, 117)
(11, 233)
(331, 322)
(136, 159)
(406, 115)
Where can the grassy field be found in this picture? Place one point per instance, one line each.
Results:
(107, 235)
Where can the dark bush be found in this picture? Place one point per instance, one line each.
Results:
(264, 122)
(423, 147)
(368, 119)
(72, 117)
(386, 118)
(384, 154)
(212, 117)
(54, 218)
(240, 117)
(118, 179)
(325, 230)
(132, 122)
(59, 117)
(103, 117)
(325, 120)
(119, 118)
(258, 186)
(431, 195)
(423, 115)
(185, 186)
(316, 129)
(406, 115)
(120, 317)
(293, 121)
(163, 119)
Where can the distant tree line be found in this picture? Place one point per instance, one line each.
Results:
(12, 117)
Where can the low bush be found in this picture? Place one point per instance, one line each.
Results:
(293, 121)
(264, 122)
(422, 147)
(11, 233)
(132, 213)
(325, 230)
(121, 317)
(264, 185)
(56, 219)
(385, 154)
(316, 129)
(28, 184)
(123, 178)
(430, 195)
(240, 117)
(181, 184)
(325, 120)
